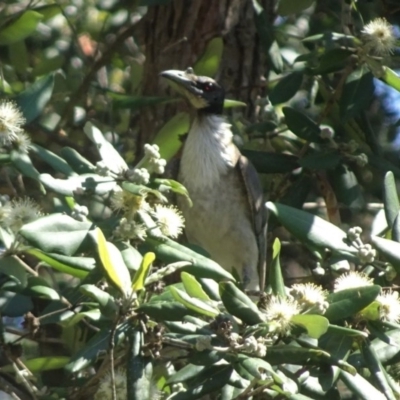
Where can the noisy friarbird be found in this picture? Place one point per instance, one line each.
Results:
(228, 216)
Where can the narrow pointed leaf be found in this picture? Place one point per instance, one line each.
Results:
(143, 271)
(193, 303)
(113, 264)
(193, 288)
(276, 277)
(239, 304)
(390, 198)
(209, 62)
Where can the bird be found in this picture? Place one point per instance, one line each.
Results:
(228, 216)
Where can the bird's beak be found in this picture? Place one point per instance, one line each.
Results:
(181, 81)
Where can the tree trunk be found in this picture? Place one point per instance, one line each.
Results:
(175, 36)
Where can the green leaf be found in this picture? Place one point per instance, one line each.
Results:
(57, 233)
(271, 163)
(301, 125)
(229, 103)
(94, 315)
(165, 310)
(13, 267)
(39, 287)
(256, 367)
(48, 11)
(210, 380)
(109, 155)
(169, 251)
(113, 264)
(134, 103)
(321, 160)
(168, 137)
(91, 183)
(175, 187)
(193, 288)
(193, 303)
(286, 88)
(239, 304)
(316, 325)
(376, 369)
(388, 353)
(357, 93)
(139, 368)
(346, 303)
(95, 347)
(33, 100)
(275, 275)
(130, 254)
(346, 187)
(361, 387)
(65, 265)
(23, 164)
(332, 60)
(19, 28)
(106, 302)
(53, 160)
(40, 364)
(143, 271)
(14, 304)
(78, 163)
(287, 7)
(312, 229)
(210, 60)
(390, 249)
(186, 373)
(390, 198)
(391, 78)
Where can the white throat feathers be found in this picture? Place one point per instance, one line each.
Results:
(209, 152)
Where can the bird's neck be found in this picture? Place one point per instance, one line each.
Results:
(209, 151)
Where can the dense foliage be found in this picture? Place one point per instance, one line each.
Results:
(100, 296)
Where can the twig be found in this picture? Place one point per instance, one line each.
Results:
(103, 60)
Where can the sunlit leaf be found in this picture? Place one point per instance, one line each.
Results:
(20, 28)
(143, 271)
(113, 264)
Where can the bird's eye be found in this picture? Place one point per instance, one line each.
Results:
(208, 87)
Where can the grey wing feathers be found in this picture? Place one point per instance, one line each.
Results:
(258, 211)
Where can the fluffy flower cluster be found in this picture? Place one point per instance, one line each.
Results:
(352, 280)
(11, 132)
(389, 306)
(156, 164)
(21, 212)
(310, 297)
(279, 312)
(378, 37)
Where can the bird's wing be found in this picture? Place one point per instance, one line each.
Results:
(258, 211)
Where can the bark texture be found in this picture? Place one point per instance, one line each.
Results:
(175, 36)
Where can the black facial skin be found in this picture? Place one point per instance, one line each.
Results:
(212, 93)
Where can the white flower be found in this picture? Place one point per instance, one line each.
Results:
(352, 280)
(22, 212)
(127, 202)
(11, 120)
(378, 37)
(170, 220)
(152, 151)
(157, 165)
(309, 295)
(105, 389)
(138, 175)
(389, 306)
(130, 230)
(279, 312)
(22, 142)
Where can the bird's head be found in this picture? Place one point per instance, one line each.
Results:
(202, 92)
